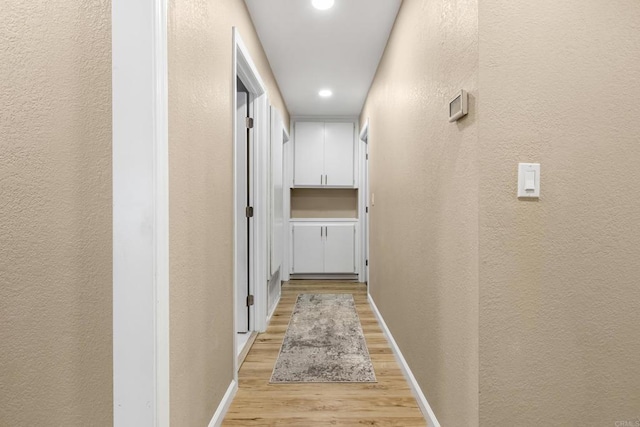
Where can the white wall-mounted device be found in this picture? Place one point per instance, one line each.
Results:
(529, 180)
(458, 106)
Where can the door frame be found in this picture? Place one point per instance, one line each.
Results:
(245, 69)
(363, 142)
(247, 224)
(140, 214)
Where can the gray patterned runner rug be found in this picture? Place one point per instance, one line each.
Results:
(324, 343)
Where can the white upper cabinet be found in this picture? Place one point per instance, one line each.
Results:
(324, 154)
(338, 154)
(309, 154)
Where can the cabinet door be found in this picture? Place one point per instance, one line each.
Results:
(308, 248)
(339, 248)
(338, 154)
(308, 163)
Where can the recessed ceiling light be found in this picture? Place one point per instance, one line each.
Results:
(325, 93)
(322, 4)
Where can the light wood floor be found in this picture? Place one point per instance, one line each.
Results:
(388, 402)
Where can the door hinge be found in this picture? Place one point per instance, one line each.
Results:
(249, 211)
(366, 263)
(367, 157)
(366, 210)
(249, 122)
(249, 300)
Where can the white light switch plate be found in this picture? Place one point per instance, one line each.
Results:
(525, 187)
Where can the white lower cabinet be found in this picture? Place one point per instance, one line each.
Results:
(339, 248)
(319, 248)
(308, 248)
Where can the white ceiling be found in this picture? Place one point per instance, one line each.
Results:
(337, 49)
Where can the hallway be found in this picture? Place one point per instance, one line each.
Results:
(388, 402)
(476, 162)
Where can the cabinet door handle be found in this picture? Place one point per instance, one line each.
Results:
(320, 179)
(326, 179)
(326, 232)
(321, 231)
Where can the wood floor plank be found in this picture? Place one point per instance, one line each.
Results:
(389, 402)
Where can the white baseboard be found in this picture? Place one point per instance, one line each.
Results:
(244, 352)
(273, 309)
(216, 421)
(432, 421)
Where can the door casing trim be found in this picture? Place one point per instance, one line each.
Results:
(245, 69)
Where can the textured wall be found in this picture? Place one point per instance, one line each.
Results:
(424, 224)
(324, 203)
(201, 198)
(55, 210)
(559, 294)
